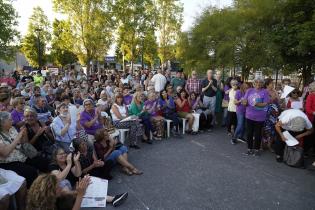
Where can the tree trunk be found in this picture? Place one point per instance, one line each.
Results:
(306, 74)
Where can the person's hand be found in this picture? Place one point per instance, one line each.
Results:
(41, 130)
(97, 113)
(97, 163)
(112, 143)
(283, 139)
(21, 135)
(69, 159)
(244, 102)
(78, 116)
(76, 157)
(68, 119)
(82, 185)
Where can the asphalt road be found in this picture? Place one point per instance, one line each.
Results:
(207, 172)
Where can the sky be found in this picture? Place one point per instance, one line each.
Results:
(191, 9)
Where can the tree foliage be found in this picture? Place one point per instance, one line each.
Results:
(38, 36)
(8, 32)
(92, 24)
(62, 44)
(170, 19)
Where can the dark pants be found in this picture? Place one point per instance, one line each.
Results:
(174, 117)
(104, 171)
(205, 121)
(231, 120)
(146, 122)
(254, 128)
(27, 171)
(279, 145)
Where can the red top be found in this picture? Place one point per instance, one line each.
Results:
(310, 106)
(185, 108)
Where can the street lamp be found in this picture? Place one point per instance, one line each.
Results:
(38, 30)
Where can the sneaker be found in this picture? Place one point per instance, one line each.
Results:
(233, 141)
(249, 152)
(119, 199)
(256, 153)
(241, 140)
(279, 159)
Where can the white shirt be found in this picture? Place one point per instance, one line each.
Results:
(159, 81)
(287, 116)
(121, 109)
(232, 106)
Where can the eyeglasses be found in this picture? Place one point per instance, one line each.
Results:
(88, 104)
(60, 154)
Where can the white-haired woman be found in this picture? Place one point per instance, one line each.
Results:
(255, 100)
(11, 156)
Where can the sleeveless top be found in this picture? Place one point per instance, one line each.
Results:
(122, 110)
(185, 108)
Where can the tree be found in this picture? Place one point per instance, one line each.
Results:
(38, 36)
(92, 25)
(170, 20)
(8, 32)
(136, 21)
(62, 44)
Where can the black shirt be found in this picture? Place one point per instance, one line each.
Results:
(70, 177)
(209, 92)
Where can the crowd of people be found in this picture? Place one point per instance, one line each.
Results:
(56, 130)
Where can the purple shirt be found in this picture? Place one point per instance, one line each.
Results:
(86, 117)
(226, 96)
(240, 108)
(127, 99)
(151, 106)
(17, 116)
(256, 96)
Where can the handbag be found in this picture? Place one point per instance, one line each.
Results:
(26, 148)
(293, 156)
(225, 103)
(29, 150)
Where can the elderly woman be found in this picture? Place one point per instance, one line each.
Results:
(90, 164)
(232, 118)
(17, 114)
(39, 135)
(197, 106)
(107, 149)
(184, 110)
(11, 153)
(5, 98)
(138, 109)
(255, 100)
(153, 107)
(119, 113)
(297, 124)
(63, 128)
(91, 119)
(104, 101)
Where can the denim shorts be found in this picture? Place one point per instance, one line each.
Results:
(116, 153)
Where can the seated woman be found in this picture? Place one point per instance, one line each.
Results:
(66, 167)
(39, 135)
(137, 109)
(63, 128)
(119, 112)
(11, 155)
(205, 118)
(183, 109)
(297, 124)
(12, 184)
(152, 106)
(168, 109)
(107, 149)
(91, 119)
(89, 162)
(45, 193)
(17, 114)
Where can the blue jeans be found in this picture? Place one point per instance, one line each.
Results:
(239, 131)
(116, 153)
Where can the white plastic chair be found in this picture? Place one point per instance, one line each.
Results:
(168, 127)
(122, 135)
(184, 124)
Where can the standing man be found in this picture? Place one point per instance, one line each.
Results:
(193, 84)
(209, 89)
(159, 81)
(178, 81)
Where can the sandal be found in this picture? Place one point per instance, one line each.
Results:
(136, 172)
(127, 171)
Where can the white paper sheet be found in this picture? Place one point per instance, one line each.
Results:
(286, 91)
(96, 193)
(132, 117)
(297, 105)
(291, 141)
